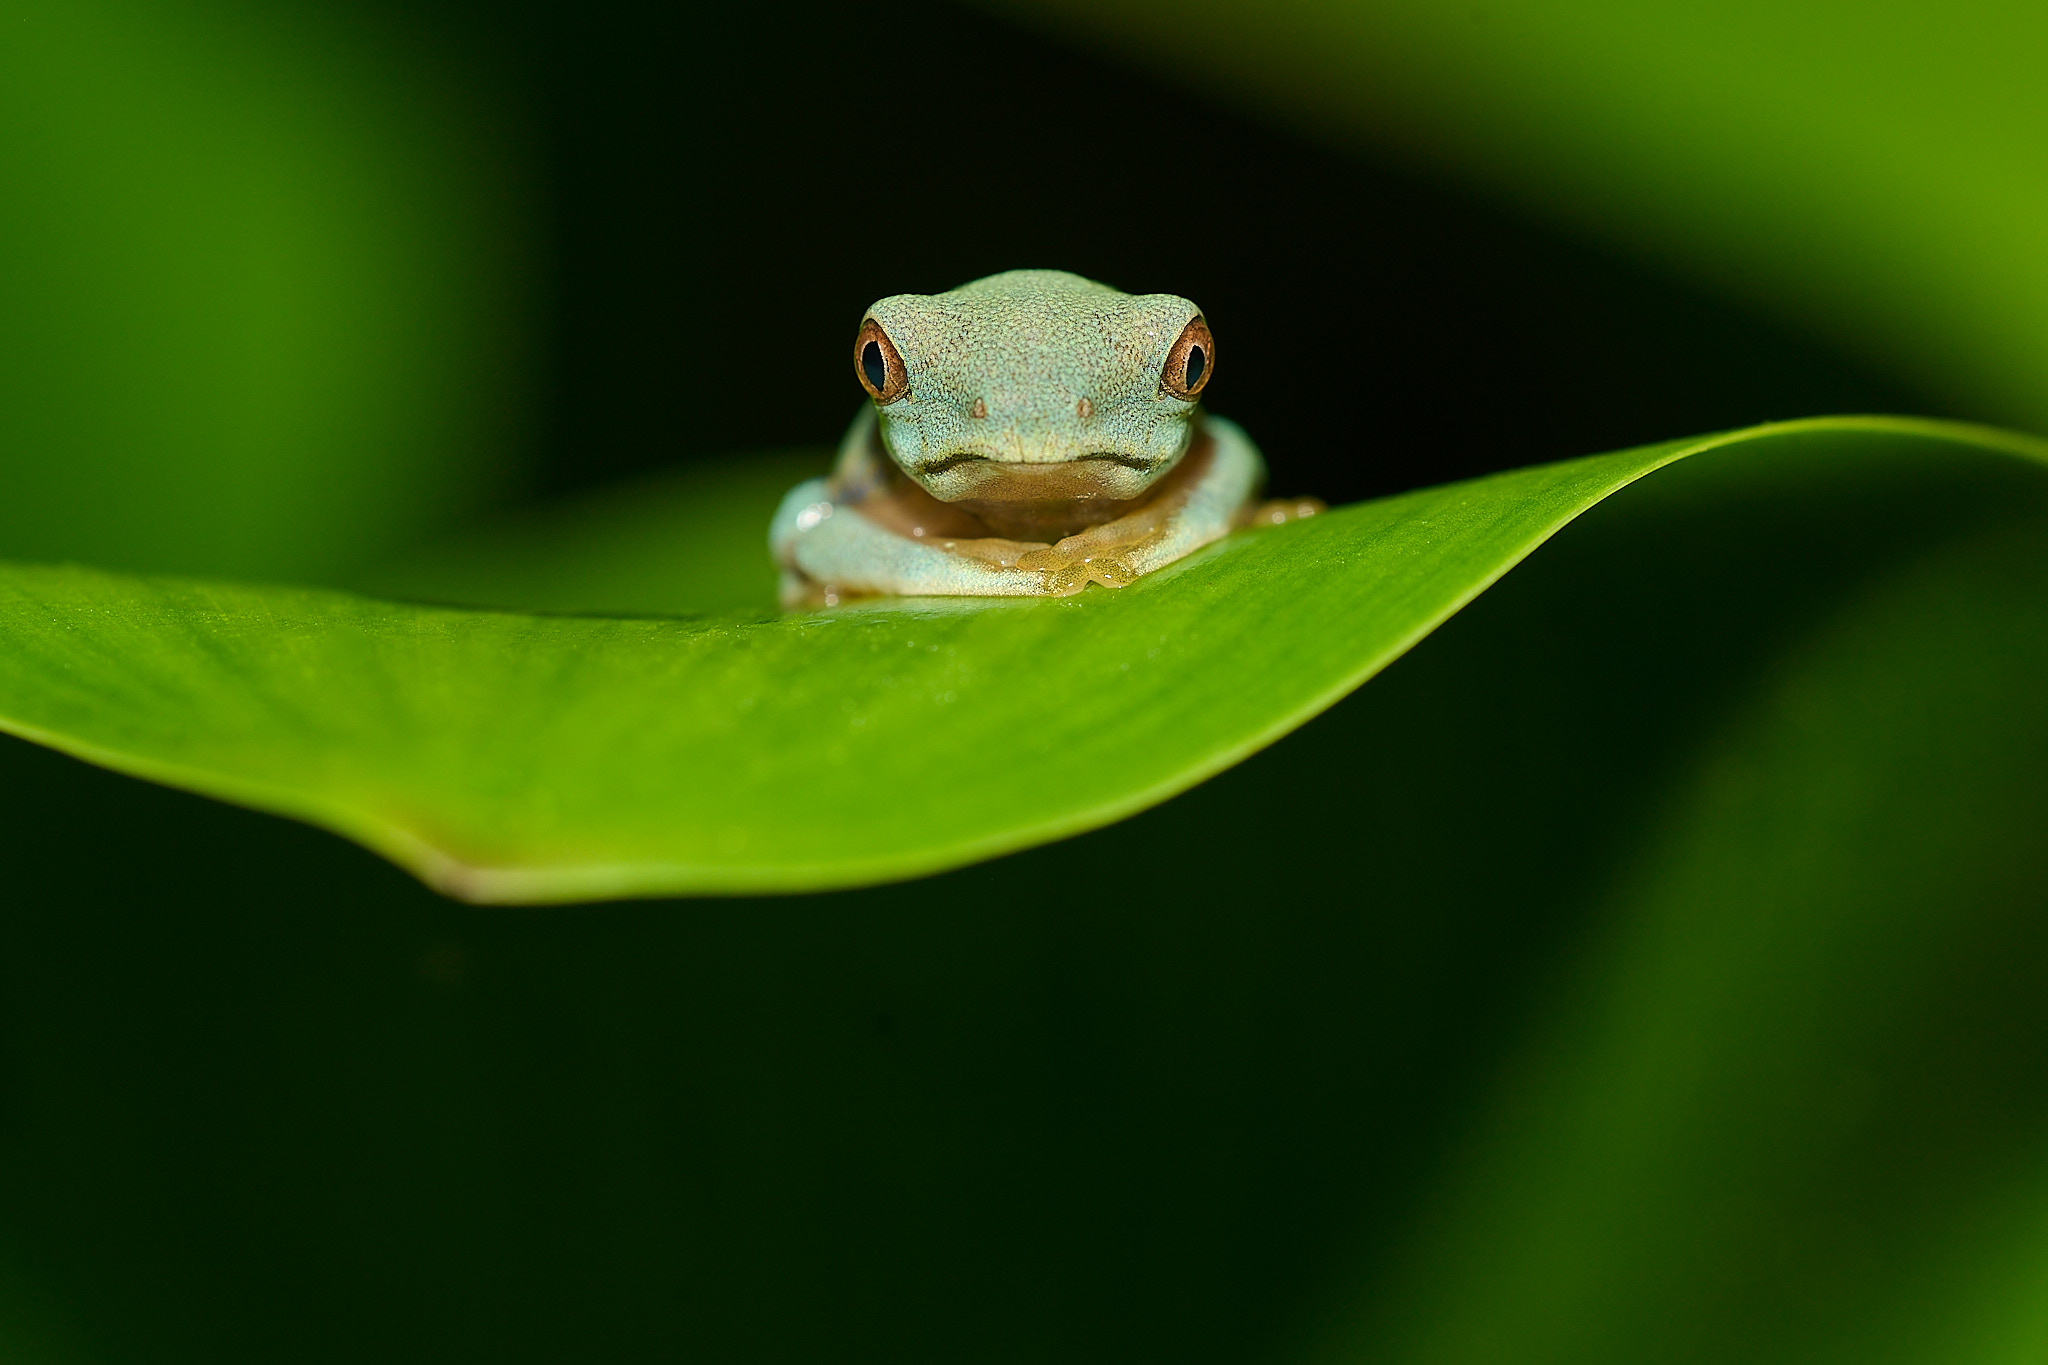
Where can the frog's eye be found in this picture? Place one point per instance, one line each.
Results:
(877, 364)
(1190, 363)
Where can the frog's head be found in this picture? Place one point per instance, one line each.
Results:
(1035, 388)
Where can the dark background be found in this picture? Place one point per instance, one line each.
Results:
(730, 187)
(1163, 1092)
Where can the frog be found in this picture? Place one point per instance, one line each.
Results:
(1029, 434)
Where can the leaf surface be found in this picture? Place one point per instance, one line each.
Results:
(523, 757)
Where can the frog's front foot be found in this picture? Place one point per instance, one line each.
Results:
(1102, 554)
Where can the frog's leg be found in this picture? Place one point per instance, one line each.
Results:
(828, 549)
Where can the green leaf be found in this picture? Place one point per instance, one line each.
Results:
(1786, 1101)
(1406, 1035)
(507, 756)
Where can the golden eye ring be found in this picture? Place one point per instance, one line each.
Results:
(1191, 361)
(878, 365)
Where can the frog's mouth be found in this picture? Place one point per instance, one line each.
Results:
(1042, 501)
(954, 461)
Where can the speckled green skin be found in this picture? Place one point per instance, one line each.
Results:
(1031, 344)
(1028, 346)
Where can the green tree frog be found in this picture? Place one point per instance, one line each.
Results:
(1029, 434)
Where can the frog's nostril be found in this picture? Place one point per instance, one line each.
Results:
(1084, 409)
(980, 409)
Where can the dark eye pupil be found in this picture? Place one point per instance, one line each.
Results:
(1197, 362)
(873, 366)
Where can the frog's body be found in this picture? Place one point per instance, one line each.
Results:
(1029, 433)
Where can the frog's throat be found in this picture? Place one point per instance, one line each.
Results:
(1037, 501)
(1042, 502)
(1030, 503)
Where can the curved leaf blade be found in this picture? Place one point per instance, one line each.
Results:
(511, 757)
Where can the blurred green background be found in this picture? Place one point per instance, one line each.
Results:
(267, 285)
(1646, 967)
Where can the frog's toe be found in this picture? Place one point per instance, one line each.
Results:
(1110, 571)
(1066, 580)
(1044, 557)
(1280, 511)
(1066, 574)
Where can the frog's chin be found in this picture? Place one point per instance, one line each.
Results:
(1042, 501)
